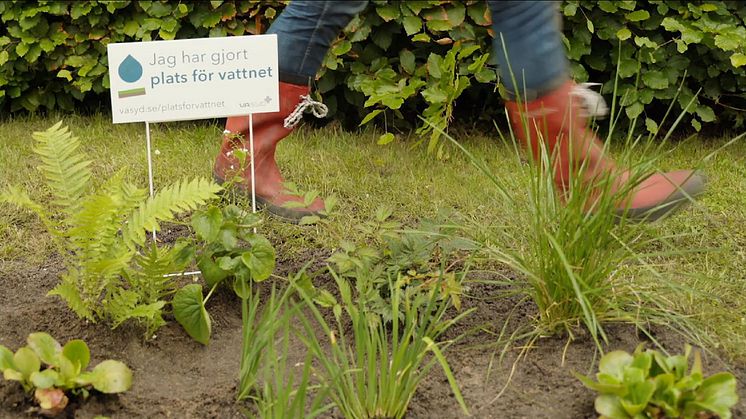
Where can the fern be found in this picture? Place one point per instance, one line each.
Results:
(147, 276)
(65, 169)
(148, 286)
(102, 234)
(182, 196)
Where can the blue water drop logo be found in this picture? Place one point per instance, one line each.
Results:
(130, 70)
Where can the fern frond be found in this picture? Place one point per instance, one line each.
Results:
(94, 225)
(67, 290)
(180, 197)
(123, 305)
(65, 168)
(147, 276)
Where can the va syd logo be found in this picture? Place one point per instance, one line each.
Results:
(130, 70)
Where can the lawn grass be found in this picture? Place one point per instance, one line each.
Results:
(364, 176)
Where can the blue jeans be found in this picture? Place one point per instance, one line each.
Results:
(530, 31)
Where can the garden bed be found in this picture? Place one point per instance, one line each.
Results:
(174, 376)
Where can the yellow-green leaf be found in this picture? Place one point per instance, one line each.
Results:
(623, 34)
(385, 138)
(638, 15)
(737, 60)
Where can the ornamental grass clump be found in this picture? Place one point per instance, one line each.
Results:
(373, 368)
(580, 259)
(278, 387)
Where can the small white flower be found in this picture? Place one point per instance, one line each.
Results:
(244, 150)
(226, 132)
(157, 152)
(233, 168)
(228, 154)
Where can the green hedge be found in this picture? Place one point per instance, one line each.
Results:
(398, 59)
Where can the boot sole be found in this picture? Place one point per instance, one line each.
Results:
(692, 188)
(288, 215)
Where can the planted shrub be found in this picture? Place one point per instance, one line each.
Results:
(648, 384)
(66, 371)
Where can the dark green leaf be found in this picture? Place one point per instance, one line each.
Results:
(407, 60)
(655, 80)
(211, 271)
(260, 259)
(189, 310)
(705, 113)
(412, 24)
(207, 223)
(634, 110)
(388, 12)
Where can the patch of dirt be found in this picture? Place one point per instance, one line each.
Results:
(177, 377)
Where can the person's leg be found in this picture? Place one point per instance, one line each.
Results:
(305, 31)
(544, 108)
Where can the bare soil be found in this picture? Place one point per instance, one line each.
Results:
(177, 377)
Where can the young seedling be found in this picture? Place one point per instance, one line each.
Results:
(648, 384)
(65, 370)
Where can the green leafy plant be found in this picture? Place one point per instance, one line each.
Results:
(427, 260)
(229, 251)
(111, 272)
(66, 370)
(647, 384)
(375, 372)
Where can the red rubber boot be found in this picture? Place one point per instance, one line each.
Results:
(269, 130)
(559, 119)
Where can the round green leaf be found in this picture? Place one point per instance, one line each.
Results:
(44, 379)
(111, 377)
(45, 346)
(26, 362)
(623, 34)
(614, 362)
(260, 259)
(77, 352)
(189, 311)
(6, 358)
(609, 406)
